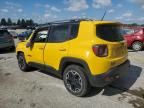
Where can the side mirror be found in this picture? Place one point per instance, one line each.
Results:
(28, 44)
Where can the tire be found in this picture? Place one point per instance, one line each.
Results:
(76, 81)
(22, 63)
(137, 46)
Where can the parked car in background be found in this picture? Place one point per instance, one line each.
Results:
(6, 40)
(30, 27)
(14, 34)
(134, 38)
(24, 35)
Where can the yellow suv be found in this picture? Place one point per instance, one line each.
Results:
(82, 52)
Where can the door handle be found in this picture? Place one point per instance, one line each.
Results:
(41, 48)
(29, 55)
(62, 49)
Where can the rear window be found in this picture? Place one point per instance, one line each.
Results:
(109, 32)
(4, 33)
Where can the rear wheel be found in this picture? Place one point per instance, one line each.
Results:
(22, 63)
(137, 46)
(76, 81)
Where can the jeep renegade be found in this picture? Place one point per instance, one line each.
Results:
(82, 52)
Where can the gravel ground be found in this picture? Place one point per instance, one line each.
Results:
(37, 89)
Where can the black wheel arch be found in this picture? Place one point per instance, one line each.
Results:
(66, 61)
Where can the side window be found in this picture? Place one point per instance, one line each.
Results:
(129, 31)
(41, 36)
(74, 30)
(58, 33)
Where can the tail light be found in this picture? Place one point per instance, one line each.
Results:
(100, 50)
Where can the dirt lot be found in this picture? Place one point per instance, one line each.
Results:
(38, 89)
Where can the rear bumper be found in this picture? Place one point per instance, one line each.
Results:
(113, 74)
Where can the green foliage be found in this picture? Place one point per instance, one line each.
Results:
(23, 23)
(29, 22)
(20, 22)
(9, 22)
(134, 24)
(3, 22)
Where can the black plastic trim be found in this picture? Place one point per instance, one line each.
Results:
(45, 68)
(71, 60)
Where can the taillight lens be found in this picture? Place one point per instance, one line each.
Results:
(100, 50)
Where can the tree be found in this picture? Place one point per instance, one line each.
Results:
(134, 24)
(9, 22)
(3, 22)
(23, 23)
(14, 23)
(18, 22)
(29, 22)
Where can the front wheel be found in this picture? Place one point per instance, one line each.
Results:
(76, 81)
(22, 63)
(137, 46)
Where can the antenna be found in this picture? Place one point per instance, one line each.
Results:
(103, 15)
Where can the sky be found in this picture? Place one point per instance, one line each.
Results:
(42, 11)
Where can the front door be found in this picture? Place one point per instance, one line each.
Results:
(36, 51)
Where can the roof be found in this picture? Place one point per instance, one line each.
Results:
(73, 21)
(65, 21)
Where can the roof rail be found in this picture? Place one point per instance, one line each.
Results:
(67, 21)
(70, 20)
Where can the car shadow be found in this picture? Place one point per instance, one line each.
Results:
(131, 50)
(121, 85)
(5, 51)
(50, 74)
(117, 87)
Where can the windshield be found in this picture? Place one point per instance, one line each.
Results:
(109, 32)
